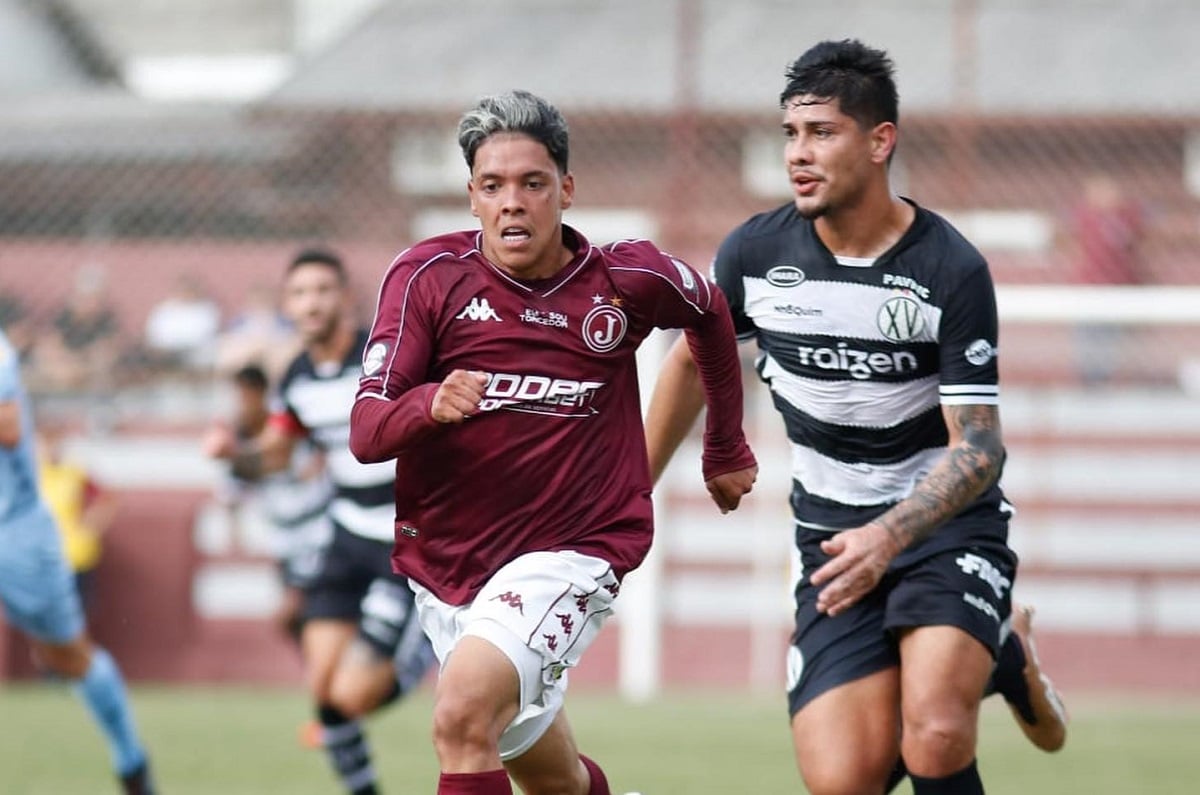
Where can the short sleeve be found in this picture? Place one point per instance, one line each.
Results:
(968, 342)
(727, 272)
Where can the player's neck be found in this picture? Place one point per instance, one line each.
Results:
(335, 348)
(868, 228)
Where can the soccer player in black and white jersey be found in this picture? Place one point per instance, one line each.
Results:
(363, 646)
(877, 334)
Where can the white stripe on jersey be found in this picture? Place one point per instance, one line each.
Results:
(346, 470)
(970, 394)
(840, 313)
(863, 404)
(321, 404)
(860, 484)
(377, 523)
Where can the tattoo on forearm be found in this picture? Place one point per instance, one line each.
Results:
(965, 472)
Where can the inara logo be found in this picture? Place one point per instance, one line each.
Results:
(478, 309)
(785, 276)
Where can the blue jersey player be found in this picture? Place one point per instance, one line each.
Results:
(38, 592)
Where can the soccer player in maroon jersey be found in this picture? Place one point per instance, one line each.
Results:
(501, 375)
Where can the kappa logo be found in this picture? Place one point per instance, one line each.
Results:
(567, 623)
(900, 318)
(604, 328)
(479, 309)
(511, 599)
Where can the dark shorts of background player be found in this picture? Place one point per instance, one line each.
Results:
(956, 587)
(356, 583)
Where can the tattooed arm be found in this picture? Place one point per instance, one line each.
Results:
(970, 465)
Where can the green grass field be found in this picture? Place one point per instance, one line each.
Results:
(243, 741)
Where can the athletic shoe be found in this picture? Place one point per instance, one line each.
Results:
(139, 782)
(1035, 703)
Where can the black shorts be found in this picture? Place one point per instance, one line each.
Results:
(299, 568)
(969, 588)
(356, 583)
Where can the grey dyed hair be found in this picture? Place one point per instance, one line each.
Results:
(514, 112)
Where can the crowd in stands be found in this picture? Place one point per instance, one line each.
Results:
(83, 349)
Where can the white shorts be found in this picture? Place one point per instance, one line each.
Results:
(542, 611)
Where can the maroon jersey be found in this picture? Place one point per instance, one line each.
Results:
(556, 457)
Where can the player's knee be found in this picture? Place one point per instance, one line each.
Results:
(555, 781)
(937, 744)
(69, 661)
(462, 722)
(865, 774)
(352, 697)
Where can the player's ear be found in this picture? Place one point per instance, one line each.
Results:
(883, 141)
(471, 196)
(568, 190)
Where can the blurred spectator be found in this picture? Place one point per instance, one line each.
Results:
(1106, 229)
(83, 509)
(258, 333)
(15, 321)
(181, 329)
(81, 348)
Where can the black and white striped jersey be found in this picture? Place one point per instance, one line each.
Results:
(317, 400)
(860, 355)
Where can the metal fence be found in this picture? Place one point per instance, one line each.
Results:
(109, 205)
(1066, 153)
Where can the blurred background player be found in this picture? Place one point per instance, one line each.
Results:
(81, 507)
(362, 644)
(1107, 231)
(39, 594)
(294, 501)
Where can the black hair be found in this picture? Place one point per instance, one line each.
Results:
(251, 376)
(860, 78)
(318, 255)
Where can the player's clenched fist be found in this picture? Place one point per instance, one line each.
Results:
(728, 489)
(458, 395)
